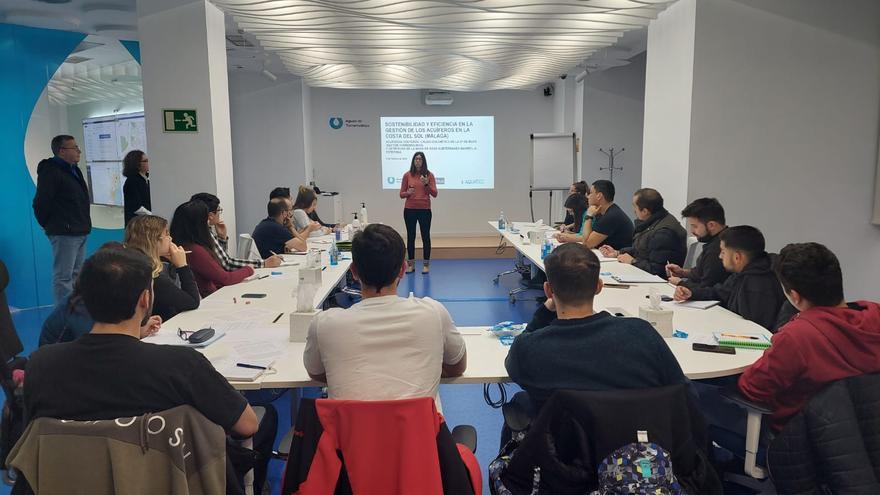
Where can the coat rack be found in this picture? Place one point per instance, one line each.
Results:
(611, 154)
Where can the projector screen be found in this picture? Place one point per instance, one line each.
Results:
(460, 151)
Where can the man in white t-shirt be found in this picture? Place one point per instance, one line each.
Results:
(385, 347)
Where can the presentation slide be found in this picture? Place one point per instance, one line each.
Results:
(107, 140)
(460, 151)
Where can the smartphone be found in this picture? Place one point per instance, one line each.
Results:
(253, 296)
(720, 349)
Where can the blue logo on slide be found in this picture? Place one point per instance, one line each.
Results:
(391, 180)
(336, 122)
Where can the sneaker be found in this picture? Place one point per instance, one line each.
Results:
(410, 266)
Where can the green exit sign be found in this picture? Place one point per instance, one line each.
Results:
(180, 120)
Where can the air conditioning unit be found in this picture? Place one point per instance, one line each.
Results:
(435, 97)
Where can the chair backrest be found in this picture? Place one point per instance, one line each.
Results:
(400, 446)
(10, 344)
(576, 430)
(174, 451)
(833, 444)
(694, 248)
(247, 248)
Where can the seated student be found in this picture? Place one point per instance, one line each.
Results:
(579, 187)
(606, 223)
(284, 192)
(110, 373)
(569, 346)
(659, 239)
(828, 340)
(306, 202)
(71, 320)
(705, 217)
(190, 227)
(752, 290)
(385, 347)
(271, 236)
(220, 238)
(175, 290)
(576, 205)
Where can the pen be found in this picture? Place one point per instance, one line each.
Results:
(251, 366)
(263, 276)
(187, 252)
(324, 268)
(276, 254)
(740, 336)
(277, 317)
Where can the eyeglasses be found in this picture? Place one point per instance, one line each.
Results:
(185, 335)
(74, 148)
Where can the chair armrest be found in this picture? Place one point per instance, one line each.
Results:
(465, 435)
(735, 396)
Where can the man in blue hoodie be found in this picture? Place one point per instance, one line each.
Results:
(61, 206)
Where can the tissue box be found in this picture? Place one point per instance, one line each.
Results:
(299, 324)
(660, 319)
(310, 276)
(536, 236)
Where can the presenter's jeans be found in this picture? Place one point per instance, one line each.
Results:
(410, 217)
(68, 252)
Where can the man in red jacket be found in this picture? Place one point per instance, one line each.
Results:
(827, 341)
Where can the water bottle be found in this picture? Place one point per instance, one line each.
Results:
(364, 214)
(334, 254)
(546, 248)
(502, 222)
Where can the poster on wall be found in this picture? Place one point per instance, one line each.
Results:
(107, 140)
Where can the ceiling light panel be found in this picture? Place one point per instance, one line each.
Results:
(465, 45)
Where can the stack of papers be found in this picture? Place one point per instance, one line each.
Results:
(692, 304)
(170, 337)
(639, 278)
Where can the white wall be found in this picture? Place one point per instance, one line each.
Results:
(613, 116)
(348, 160)
(785, 123)
(669, 80)
(267, 142)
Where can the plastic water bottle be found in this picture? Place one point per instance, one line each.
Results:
(364, 214)
(334, 254)
(502, 222)
(546, 248)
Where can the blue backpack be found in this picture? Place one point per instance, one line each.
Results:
(642, 468)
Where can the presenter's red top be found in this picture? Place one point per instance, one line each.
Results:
(420, 198)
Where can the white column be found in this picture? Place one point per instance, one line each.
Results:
(183, 54)
(669, 76)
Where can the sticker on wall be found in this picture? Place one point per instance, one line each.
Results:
(185, 120)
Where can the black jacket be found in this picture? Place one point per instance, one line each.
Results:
(135, 193)
(708, 270)
(832, 445)
(754, 293)
(657, 241)
(576, 430)
(61, 203)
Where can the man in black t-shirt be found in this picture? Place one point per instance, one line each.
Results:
(271, 236)
(109, 373)
(606, 224)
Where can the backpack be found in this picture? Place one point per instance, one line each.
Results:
(638, 468)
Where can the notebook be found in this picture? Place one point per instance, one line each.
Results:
(693, 304)
(639, 278)
(742, 340)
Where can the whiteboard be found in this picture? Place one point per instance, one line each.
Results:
(554, 161)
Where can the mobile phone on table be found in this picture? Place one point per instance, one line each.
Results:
(720, 349)
(253, 296)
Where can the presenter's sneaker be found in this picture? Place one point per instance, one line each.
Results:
(425, 265)
(410, 266)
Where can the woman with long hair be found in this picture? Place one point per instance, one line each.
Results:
(417, 187)
(190, 227)
(136, 189)
(576, 205)
(149, 234)
(305, 204)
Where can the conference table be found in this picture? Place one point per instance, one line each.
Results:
(264, 323)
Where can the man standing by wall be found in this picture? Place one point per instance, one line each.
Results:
(61, 206)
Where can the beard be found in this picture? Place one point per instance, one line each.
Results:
(149, 311)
